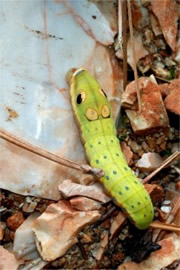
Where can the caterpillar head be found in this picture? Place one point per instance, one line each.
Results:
(89, 101)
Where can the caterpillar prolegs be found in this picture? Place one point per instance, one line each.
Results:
(93, 114)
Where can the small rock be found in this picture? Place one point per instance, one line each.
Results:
(29, 207)
(149, 162)
(166, 209)
(14, 221)
(155, 25)
(99, 251)
(8, 260)
(145, 146)
(155, 191)
(166, 202)
(116, 224)
(2, 227)
(127, 152)
(24, 241)
(134, 146)
(57, 228)
(178, 186)
(172, 101)
(95, 191)
(151, 142)
(167, 15)
(153, 115)
(84, 204)
(86, 239)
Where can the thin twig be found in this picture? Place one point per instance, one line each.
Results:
(134, 56)
(162, 79)
(124, 29)
(120, 25)
(164, 164)
(48, 155)
(165, 226)
(176, 201)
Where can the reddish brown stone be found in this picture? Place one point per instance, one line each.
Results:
(167, 13)
(153, 114)
(127, 152)
(172, 101)
(116, 224)
(2, 227)
(178, 186)
(15, 221)
(155, 191)
(164, 88)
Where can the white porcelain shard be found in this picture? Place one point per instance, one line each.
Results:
(40, 41)
(24, 240)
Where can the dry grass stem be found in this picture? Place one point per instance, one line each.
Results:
(164, 164)
(134, 56)
(48, 155)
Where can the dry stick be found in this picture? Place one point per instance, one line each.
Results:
(170, 219)
(164, 164)
(48, 155)
(164, 226)
(124, 29)
(120, 25)
(134, 56)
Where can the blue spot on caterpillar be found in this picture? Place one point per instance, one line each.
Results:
(93, 114)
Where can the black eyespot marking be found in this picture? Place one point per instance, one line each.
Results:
(97, 161)
(114, 172)
(79, 99)
(125, 168)
(112, 141)
(135, 182)
(96, 129)
(91, 146)
(120, 193)
(107, 177)
(105, 157)
(146, 197)
(145, 215)
(117, 154)
(132, 206)
(127, 188)
(138, 203)
(99, 142)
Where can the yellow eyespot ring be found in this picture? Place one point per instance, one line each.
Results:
(105, 111)
(81, 97)
(91, 114)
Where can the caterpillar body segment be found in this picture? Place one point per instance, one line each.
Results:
(93, 114)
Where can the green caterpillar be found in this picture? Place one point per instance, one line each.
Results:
(93, 114)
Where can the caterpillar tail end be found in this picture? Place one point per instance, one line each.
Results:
(143, 224)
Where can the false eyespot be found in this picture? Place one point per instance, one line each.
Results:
(81, 97)
(91, 114)
(105, 111)
(102, 92)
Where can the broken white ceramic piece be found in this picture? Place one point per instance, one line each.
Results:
(40, 41)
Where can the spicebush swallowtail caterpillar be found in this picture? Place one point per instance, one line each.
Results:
(93, 115)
